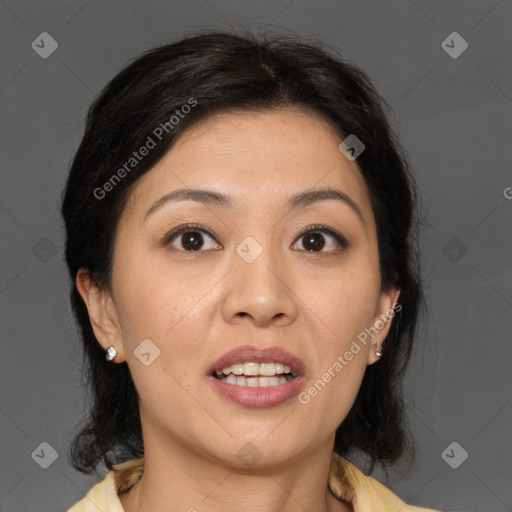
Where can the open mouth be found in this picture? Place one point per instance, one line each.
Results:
(254, 374)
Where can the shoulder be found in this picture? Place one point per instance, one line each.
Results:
(98, 497)
(349, 483)
(104, 495)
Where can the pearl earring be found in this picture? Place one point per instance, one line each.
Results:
(110, 353)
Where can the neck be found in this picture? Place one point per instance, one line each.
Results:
(178, 478)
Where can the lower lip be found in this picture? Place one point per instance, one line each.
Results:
(258, 397)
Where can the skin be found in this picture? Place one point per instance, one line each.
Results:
(197, 305)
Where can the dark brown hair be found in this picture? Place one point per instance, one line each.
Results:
(212, 73)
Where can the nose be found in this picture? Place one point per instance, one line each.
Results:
(260, 292)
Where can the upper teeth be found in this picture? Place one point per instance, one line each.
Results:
(253, 368)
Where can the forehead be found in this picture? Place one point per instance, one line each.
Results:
(259, 159)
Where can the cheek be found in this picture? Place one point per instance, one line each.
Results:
(340, 308)
(166, 312)
(332, 387)
(151, 299)
(164, 307)
(344, 302)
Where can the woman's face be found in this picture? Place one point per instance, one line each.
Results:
(246, 276)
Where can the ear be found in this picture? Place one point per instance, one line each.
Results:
(102, 313)
(386, 311)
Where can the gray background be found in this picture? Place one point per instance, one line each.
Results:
(454, 118)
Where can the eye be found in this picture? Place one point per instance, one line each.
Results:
(319, 237)
(191, 238)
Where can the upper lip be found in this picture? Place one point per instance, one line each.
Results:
(249, 353)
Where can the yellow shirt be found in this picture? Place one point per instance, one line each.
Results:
(346, 481)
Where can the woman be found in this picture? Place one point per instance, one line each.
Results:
(240, 227)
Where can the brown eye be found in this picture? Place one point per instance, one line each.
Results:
(314, 241)
(316, 238)
(192, 238)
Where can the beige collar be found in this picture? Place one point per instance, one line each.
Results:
(128, 473)
(346, 481)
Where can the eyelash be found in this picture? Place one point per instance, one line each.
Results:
(316, 228)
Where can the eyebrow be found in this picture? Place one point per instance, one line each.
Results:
(208, 197)
(299, 200)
